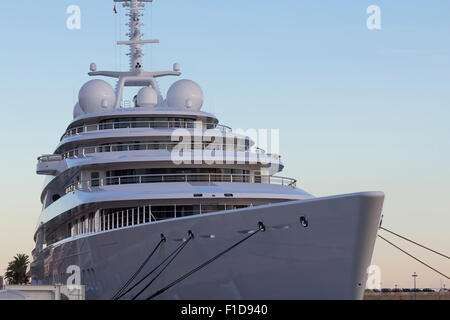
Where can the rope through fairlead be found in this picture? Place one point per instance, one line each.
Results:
(261, 227)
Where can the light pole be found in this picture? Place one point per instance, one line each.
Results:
(415, 292)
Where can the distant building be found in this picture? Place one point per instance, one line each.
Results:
(1, 282)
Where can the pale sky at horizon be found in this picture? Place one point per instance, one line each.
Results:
(357, 110)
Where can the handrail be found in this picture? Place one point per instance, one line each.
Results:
(50, 158)
(144, 124)
(181, 177)
(142, 146)
(168, 146)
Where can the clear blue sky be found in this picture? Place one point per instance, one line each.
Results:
(357, 109)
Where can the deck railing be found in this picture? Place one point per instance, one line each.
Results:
(190, 177)
(168, 146)
(145, 124)
(50, 158)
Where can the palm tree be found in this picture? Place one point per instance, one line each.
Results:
(17, 269)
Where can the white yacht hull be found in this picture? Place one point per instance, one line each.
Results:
(327, 259)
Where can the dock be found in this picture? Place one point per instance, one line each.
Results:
(407, 296)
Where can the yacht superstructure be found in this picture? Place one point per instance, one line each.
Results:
(123, 177)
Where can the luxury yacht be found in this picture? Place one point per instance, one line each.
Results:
(149, 197)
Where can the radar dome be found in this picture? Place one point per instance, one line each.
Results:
(185, 94)
(96, 96)
(77, 111)
(147, 97)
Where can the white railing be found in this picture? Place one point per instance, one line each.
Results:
(146, 214)
(165, 146)
(50, 157)
(145, 124)
(190, 177)
(168, 146)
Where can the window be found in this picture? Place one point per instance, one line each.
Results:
(83, 225)
(91, 222)
(95, 179)
(69, 229)
(257, 176)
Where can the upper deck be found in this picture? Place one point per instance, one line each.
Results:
(155, 124)
(158, 112)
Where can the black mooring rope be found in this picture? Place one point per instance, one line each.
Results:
(148, 274)
(417, 244)
(131, 279)
(261, 227)
(417, 259)
(179, 249)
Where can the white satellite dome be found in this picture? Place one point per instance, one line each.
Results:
(185, 94)
(77, 111)
(147, 97)
(96, 96)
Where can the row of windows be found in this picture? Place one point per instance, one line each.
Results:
(145, 122)
(134, 119)
(162, 171)
(169, 146)
(118, 218)
(137, 176)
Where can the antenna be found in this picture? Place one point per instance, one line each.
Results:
(135, 8)
(136, 76)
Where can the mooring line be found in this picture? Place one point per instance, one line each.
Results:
(417, 259)
(179, 249)
(418, 244)
(261, 227)
(151, 272)
(135, 274)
